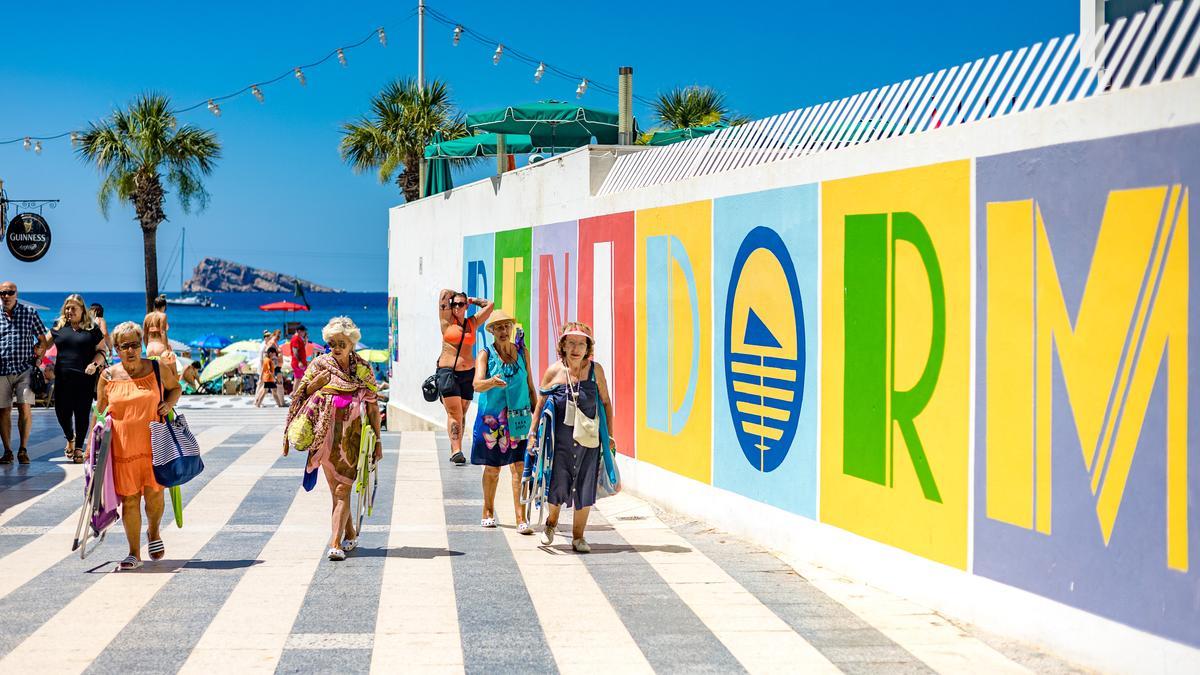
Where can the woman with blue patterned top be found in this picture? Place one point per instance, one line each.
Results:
(502, 424)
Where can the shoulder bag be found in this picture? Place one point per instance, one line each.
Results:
(176, 452)
(429, 388)
(586, 430)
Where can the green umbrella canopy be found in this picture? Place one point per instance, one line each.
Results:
(552, 121)
(437, 173)
(685, 134)
(484, 145)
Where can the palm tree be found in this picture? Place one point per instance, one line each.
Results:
(137, 150)
(393, 136)
(694, 106)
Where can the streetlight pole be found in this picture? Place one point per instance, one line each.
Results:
(421, 81)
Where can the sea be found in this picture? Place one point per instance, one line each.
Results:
(237, 315)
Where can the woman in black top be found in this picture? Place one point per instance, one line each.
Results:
(80, 356)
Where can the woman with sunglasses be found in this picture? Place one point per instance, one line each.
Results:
(81, 354)
(136, 392)
(456, 363)
(325, 419)
(573, 383)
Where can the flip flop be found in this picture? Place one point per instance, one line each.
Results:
(157, 549)
(128, 564)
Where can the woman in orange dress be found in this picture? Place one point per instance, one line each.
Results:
(135, 396)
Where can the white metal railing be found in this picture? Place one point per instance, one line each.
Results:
(1155, 46)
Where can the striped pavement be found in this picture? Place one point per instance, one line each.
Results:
(244, 586)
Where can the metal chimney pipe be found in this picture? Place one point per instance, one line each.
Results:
(625, 106)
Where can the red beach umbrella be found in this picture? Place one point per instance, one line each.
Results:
(283, 306)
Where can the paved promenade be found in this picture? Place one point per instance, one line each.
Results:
(245, 587)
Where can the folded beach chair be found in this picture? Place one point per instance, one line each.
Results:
(100, 501)
(539, 464)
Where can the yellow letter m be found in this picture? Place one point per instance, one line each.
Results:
(1133, 314)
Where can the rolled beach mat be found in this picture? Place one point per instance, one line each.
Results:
(177, 505)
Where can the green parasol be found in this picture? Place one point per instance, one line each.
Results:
(221, 365)
(374, 355)
(437, 171)
(686, 134)
(562, 124)
(484, 145)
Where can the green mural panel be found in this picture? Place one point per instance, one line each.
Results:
(514, 273)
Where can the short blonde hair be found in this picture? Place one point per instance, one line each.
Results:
(125, 329)
(86, 323)
(341, 325)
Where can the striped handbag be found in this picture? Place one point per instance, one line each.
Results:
(176, 452)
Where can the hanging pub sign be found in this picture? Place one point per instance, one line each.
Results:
(28, 237)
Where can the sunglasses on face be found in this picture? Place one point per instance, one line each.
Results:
(458, 304)
(7, 294)
(338, 344)
(129, 345)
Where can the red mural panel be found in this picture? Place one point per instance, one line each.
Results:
(606, 297)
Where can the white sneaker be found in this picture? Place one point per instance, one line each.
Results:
(548, 534)
(580, 545)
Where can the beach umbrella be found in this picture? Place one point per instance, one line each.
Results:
(221, 365)
(283, 306)
(686, 134)
(211, 341)
(310, 349)
(177, 346)
(485, 145)
(562, 124)
(374, 355)
(251, 347)
(437, 171)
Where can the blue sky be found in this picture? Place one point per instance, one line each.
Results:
(281, 197)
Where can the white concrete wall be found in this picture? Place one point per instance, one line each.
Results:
(425, 255)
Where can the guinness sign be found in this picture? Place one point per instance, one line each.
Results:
(28, 237)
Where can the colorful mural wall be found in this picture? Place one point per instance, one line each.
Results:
(1068, 275)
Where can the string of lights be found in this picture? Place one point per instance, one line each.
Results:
(255, 89)
(213, 104)
(541, 67)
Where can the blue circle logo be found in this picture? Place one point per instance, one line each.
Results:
(764, 349)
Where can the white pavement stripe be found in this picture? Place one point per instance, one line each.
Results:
(756, 637)
(417, 627)
(923, 633)
(583, 630)
(76, 635)
(252, 627)
(40, 554)
(71, 469)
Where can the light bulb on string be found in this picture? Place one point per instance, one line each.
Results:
(300, 77)
(341, 57)
(582, 88)
(214, 108)
(382, 37)
(458, 31)
(496, 56)
(37, 148)
(257, 93)
(537, 74)
(27, 144)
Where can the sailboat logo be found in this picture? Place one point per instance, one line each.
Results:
(764, 348)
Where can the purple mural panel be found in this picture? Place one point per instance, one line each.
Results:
(554, 290)
(1088, 447)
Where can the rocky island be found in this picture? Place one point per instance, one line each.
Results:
(214, 275)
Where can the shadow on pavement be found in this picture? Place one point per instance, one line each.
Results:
(412, 552)
(620, 548)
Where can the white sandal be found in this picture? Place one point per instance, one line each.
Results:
(524, 528)
(349, 544)
(336, 554)
(130, 563)
(487, 522)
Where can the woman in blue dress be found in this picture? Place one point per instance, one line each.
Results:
(576, 386)
(502, 423)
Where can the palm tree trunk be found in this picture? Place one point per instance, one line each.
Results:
(410, 184)
(150, 259)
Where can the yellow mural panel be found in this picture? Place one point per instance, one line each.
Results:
(896, 335)
(674, 339)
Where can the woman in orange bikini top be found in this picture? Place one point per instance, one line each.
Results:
(456, 363)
